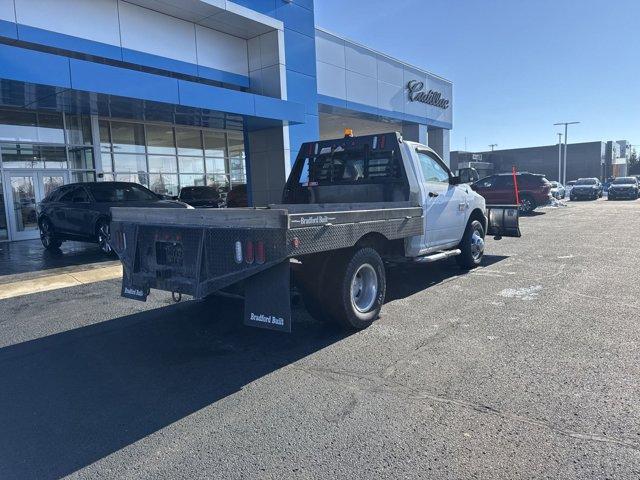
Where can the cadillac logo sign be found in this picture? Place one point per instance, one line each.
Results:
(417, 94)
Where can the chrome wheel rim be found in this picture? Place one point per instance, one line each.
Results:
(525, 205)
(103, 236)
(45, 234)
(364, 288)
(477, 244)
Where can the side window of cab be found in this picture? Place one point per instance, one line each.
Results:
(432, 171)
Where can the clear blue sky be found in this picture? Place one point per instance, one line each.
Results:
(517, 66)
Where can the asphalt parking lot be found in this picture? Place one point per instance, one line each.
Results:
(525, 368)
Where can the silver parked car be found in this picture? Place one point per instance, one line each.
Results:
(557, 190)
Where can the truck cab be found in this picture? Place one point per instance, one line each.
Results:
(386, 169)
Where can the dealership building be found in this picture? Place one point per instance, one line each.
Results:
(589, 159)
(173, 93)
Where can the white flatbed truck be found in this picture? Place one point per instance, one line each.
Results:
(350, 207)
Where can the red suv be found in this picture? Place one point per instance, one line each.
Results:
(534, 190)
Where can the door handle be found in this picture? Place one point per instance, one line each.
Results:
(433, 194)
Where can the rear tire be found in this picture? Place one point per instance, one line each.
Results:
(357, 287)
(527, 204)
(471, 246)
(47, 236)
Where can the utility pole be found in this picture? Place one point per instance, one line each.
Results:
(566, 138)
(560, 158)
(492, 146)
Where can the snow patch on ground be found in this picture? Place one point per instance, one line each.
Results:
(555, 203)
(525, 293)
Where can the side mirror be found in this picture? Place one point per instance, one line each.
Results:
(455, 180)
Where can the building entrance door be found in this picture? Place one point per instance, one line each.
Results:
(24, 190)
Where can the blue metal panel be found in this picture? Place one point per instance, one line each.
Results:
(332, 101)
(205, 96)
(269, 107)
(302, 89)
(162, 63)
(300, 52)
(68, 42)
(34, 67)
(75, 44)
(297, 18)
(308, 4)
(8, 29)
(298, 134)
(222, 76)
(369, 111)
(99, 78)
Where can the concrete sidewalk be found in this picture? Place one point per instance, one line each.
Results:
(26, 267)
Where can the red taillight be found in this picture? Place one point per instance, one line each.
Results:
(260, 253)
(249, 254)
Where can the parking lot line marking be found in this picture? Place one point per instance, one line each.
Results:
(55, 282)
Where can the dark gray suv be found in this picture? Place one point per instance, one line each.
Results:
(81, 211)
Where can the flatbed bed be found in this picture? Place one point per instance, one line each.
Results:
(283, 231)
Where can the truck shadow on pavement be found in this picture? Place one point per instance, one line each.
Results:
(70, 399)
(408, 280)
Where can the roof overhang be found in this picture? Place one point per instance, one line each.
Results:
(221, 15)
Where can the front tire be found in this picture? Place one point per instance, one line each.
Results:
(102, 234)
(47, 236)
(471, 246)
(357, 287)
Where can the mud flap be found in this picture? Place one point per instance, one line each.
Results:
(267, 300)
(503, 221)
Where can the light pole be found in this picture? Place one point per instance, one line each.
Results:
(492, 146)
(566, 138)
(560, 158)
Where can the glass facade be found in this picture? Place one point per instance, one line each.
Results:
(166, 158)
(4, 228)
(37, 140)
(59, 148)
